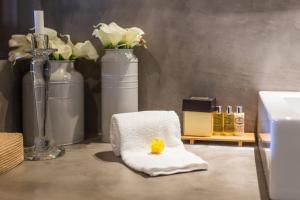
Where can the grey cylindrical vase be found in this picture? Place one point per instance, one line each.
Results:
(119, 86)
(65, 106)
(65, 118)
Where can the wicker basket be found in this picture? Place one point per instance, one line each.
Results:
(11, 151)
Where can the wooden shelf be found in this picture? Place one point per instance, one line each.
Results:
(265, 137)
(11, 151)
(246, 138)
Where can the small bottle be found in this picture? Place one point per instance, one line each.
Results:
(218, 121)
(239, 121)
(228, 122)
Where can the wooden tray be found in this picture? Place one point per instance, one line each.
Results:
(246, 138)
(11, 151)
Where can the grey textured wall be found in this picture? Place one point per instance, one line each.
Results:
(10, 95)
(227, 49)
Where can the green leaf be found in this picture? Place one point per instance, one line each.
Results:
(52, 57)
(72, 57)
(60, 57)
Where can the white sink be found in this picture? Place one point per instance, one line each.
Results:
(279, 142)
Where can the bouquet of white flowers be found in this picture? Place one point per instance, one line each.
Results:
(66, 50)
(113, 36)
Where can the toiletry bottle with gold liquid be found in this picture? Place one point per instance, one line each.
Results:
(218, 121)
(239, 121)
(228, 122)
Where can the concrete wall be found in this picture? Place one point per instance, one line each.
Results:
(227, 49)
(10, 96)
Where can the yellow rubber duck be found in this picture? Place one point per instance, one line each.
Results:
(157, 146)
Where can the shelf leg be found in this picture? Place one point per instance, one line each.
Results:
(240, 143)
(192, 142)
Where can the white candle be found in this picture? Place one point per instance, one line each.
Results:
(39, 21)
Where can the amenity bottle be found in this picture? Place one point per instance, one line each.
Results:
(218, 121)
(239, 121)
(228, 122)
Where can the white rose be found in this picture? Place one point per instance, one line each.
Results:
(133, 36)
(20, 43)
(111, 34)
(99, 33)
(116, 28)
(52, 34)
(69, 42)
(18, 54)
(62, 49)
(82, 49)
(85, 50)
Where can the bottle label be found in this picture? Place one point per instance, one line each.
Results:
(229, 123)
(239, 120)
(239, 124)
(218, 122)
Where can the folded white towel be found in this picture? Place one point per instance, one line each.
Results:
(131, 136)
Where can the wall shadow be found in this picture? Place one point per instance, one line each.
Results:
(108, 156)
(11, 94)
(91, 72)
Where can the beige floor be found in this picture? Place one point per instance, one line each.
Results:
(90, 171)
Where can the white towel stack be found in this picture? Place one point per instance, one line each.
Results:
(131, 136)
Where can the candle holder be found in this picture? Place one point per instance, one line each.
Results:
(44, 147)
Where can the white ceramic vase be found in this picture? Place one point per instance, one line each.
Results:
(119, 86)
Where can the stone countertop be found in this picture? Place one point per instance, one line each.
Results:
(91, 171)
